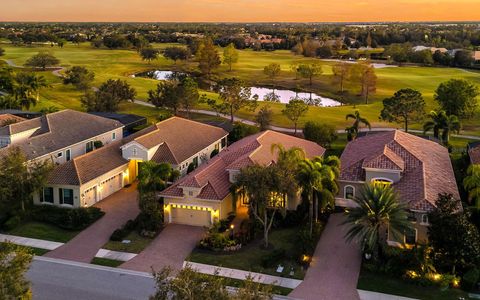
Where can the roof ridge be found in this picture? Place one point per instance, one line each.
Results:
(76, 171)
(169, 149)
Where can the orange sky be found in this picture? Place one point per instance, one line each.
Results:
(240, 10)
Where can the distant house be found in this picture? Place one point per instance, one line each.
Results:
(204, 196)
(476, 55)
(89, 178)
(6, 119)
(418, 170)
(474, 153)
(21, 113)
(432, 49)
(129, 121)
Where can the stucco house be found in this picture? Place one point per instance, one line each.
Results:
(204, 197)
(474, 153)
(418, 169)
(89, 178)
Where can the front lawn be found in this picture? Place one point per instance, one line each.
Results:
(384, 284)
(137, 243)
(43, 231)
(249, 258)
(277, 290)
(106, 262)
(35, 251)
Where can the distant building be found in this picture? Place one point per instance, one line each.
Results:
(432, 49)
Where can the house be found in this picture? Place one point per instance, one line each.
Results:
(474, 153)
(6, 119)
(59, 136)
(20, 113)
(129, 121)
(417, 169)
(432, 49)
(92, 177)
(204, 196)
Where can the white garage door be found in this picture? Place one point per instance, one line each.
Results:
(91, 196)
(110, 186)
(191, 217)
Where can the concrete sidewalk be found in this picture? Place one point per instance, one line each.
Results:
(240, 274)
(48, 245)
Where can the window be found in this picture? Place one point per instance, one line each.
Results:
(411, 216)
(190, 193)
(411, 237)
(134, 151)
(47, 195)
(114, 136)
(59, 154)
(89, 147)
(382, 181)
(66, 196)
(424, 219)
(68, 154)
(224, 142)
(349, 192)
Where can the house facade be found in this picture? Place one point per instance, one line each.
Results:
(89, 178)
(474, 153)
(417, 169)
(204, 196)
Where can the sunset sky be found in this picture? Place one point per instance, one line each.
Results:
(240, 10)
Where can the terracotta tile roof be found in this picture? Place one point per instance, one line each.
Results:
(58, 130)
(213, 177)
(182, 137)
(6, 118)
(474, 153)
(164, 154)
(425, 166)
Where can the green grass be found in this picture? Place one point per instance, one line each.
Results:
(123, 63)
(383, 284)
(138, 244)
(43, 231)
(249, 257)
(106, 262)
(35, 251)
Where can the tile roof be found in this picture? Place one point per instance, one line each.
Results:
(182, 137)
(56, 131)
(213, 176)
(5, 118)
(474, 153)
(425, 166)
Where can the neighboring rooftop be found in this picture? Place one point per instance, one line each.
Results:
(128, 120)
(9, 119)
(425, 166)
(213, 176)
(56, 131)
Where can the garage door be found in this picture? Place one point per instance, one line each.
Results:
(110, 186)
(190, 217)
(90, 196)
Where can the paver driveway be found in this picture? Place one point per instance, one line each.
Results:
(333, 273)
(119, 208)
(170, 248)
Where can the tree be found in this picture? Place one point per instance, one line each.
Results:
(230, 56)
(264, 117)
(149, 53)
(234, 95)
(463, 58)
(80, 77)
(353, 130)
(406, 105)
(241, 130)
(455, 241)
(208, 58)
(189, 94)
(294, 110)
(2, 52)
(471, 183)
(341, 72)
(378, 210)
(320, 133)
(176, 53)
(367, 78)
(42, 60)
(324, 51)
(457, 97)
(9, 102)
(166, 95)
(26, 88)
(153, 177)
(440, 121)
(108, 96)
(14, 263)
(310, 71)
(272, 71)
(19, 180)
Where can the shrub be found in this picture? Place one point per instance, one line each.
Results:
(119, 234)
(271, 259)
(214, 152)
(12, 222)
(130, 225)
(67, 218)
(470, 279)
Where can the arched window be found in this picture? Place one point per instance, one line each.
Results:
(425, 219)
(349, 192)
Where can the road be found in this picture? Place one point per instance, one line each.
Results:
(54, 279)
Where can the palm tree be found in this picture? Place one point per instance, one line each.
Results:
(352, 131)
(471, 184)
(378, 209)
(36, 83)
(440, 121)
(153, 177)
(9, 102)
(329, 183)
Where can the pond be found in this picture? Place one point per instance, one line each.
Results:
(282, 96)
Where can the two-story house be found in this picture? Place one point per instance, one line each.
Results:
(204, 196)
(89, 178)
(417, 169)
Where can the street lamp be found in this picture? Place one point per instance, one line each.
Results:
(231, 229)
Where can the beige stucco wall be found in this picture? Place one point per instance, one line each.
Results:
(372, 174)
(56, 196)
(128, 151)
(203, 156)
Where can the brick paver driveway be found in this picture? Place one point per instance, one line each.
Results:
(119, 208)
(333, 273)
(170, 248)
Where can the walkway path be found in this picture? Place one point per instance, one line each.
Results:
(169, 248)
(291, 130)
(49, 245)
(240, 274)
(55, 70)
(119, 208)
(333, 273)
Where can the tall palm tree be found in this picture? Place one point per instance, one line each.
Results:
(9, 102)
(326, 197)
(471, 184)
(36, 82)
(153, 177)
(357, 121)
(378, 209)
(441, 122)
(309, 177)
